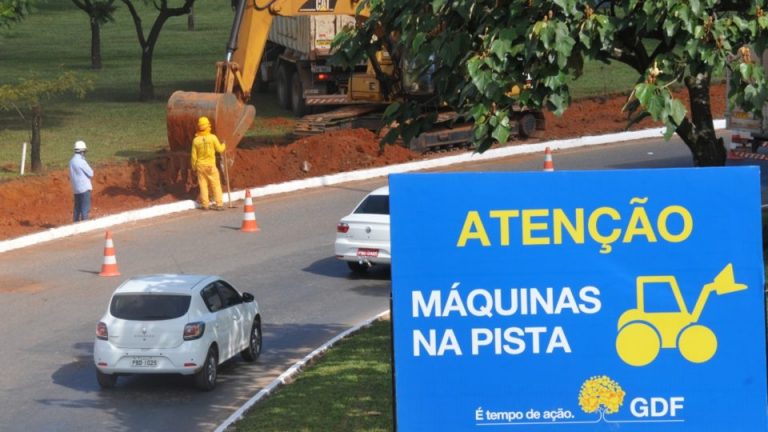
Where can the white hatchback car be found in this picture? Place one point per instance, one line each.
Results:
(362, 237)
(177, 324)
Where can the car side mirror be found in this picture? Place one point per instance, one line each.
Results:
(247, 297)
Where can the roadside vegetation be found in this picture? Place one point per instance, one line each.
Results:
(348, 389)
(116, 125)
(112, 120)
(476, 53)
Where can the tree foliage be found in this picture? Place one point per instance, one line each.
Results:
(480, 49)
(99, 13)
(33, 91)
(28, 95)
(12, 11)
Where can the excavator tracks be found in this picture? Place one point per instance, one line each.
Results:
(341, 118)
(448, 132)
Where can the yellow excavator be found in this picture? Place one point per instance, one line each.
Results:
(227, 105)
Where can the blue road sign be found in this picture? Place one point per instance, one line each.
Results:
(579, 301)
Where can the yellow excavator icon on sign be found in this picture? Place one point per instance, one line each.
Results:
(642, 334)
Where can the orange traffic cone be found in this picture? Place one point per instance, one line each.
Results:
(249, 217)
(548, 164)
(109, 268)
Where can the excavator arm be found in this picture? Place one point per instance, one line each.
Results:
(226, 106)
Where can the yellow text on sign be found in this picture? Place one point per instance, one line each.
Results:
(604, 225)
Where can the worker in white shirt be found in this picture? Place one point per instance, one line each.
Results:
(80, 175)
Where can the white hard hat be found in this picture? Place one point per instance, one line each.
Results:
(80, 146)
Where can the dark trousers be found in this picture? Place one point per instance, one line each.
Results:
(82, 206)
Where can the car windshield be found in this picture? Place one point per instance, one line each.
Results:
(149, 307)
(374, 204)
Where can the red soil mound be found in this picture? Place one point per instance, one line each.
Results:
(38, 202)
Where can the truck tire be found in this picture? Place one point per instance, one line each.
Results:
(527, 125)
(259, 84)
(284, 87)
(298, 103)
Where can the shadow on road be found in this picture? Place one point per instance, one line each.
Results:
(333, 267)
(170, 402)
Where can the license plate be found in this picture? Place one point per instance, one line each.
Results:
(144, 362)
(362, 252)
(321, 68)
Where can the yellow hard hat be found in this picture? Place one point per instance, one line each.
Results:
(203, 123)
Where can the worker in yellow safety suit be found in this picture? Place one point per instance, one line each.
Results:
(205, 145)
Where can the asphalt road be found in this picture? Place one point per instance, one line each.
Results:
(51, 298)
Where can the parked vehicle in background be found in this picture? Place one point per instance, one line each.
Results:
(175, 324)
(295, 59)
(289, 42)
(362, 237)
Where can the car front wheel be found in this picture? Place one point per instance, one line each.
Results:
(205, 378)
(251, 353)
(106, 381)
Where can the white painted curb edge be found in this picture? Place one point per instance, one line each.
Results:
(164, 209)
(293, 371)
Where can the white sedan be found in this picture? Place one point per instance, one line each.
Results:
(178, 324)
(362, 237)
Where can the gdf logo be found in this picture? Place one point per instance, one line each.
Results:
(656, 407)
(603, 396)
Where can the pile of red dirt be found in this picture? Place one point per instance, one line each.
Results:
(38, 202)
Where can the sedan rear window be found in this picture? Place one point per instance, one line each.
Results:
(148, 307)
(374, 204)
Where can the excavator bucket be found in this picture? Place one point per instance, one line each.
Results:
(724, 282)
(230, 117)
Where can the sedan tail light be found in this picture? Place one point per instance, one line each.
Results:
(101, 331)
(342, 228)
(194, 330)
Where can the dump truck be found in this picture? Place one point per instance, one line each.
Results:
(295, 63)
(251, 58)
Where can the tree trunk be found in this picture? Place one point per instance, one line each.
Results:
(95, 44)
(37, 121)
(191, 19)
(698, 133)
(146, 88)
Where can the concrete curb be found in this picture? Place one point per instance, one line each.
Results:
(160, 210)
(287, 376)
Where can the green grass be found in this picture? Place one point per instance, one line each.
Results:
(116, 126)
(110, 118)
(348, 389)
(600, 79)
